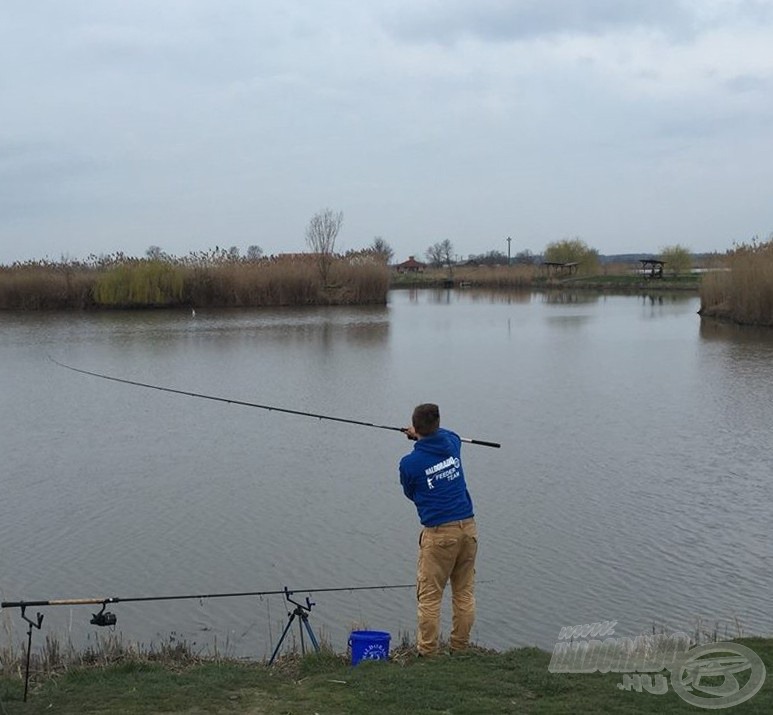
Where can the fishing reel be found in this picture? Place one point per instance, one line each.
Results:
(103, 618)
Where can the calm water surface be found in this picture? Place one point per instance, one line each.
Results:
(633, 482)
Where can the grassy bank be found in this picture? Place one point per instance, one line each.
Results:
(616, 278)
(743, 293)
(483, 682)
(205, 280)
(627, 283)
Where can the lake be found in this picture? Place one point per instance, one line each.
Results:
(633, 482)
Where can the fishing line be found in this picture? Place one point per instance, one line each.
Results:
(243, 403)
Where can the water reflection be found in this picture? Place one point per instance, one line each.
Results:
(568, 321)
(655, 305)
(720, 330)
(567, 297)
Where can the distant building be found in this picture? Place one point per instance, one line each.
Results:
(410, 266)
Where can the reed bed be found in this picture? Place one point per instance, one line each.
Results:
(211, 279)
(518, 276)
(742, 289)
(44, 286)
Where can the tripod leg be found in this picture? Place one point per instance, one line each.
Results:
(27, 668)
(281, 640)
(300, 630)
(312, 637)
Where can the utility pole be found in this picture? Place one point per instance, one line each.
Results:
(508, 249)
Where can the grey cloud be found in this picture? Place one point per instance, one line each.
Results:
(758, 11)
(741, 84)
(503, 20)
(38, 178)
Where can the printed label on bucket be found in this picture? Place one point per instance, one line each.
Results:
(374, 652)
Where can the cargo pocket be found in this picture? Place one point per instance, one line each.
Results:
(438, 541)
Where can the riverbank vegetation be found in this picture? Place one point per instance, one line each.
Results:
(224, 279)
(743, 291)
(620, 278)
(477, 682)
(213, 279)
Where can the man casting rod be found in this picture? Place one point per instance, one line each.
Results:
(270, 408)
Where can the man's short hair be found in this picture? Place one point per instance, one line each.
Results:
(426, 418)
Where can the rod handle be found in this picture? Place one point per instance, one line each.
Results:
(481, 442)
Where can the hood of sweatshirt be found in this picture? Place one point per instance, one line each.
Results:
(438, 443)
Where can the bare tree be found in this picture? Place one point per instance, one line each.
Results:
(382, 249)
(441, 254)
(321, 236)
(154, 253)
(254, 253)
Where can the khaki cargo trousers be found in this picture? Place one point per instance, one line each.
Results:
(446, 552)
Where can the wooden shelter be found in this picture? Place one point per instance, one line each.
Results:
(559, 269)
(651, 267)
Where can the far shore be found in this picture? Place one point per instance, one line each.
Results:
(299, 280)
(740, 291)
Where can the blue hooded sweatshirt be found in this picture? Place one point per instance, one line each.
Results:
(433, 479)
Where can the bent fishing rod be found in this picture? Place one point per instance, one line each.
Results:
(270, 408)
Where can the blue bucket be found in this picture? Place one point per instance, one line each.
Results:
(369, 645)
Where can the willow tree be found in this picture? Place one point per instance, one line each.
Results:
(321, 236)
(677, 259)
(573, 250)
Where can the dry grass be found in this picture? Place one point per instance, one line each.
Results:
(211, 279)
(42, 286)
(57, 656)
(742, 290)
(517, 276)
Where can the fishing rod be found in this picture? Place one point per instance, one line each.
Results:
(106, 618)
(270, 408)
(197, 596)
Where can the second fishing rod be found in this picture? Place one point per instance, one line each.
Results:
(243, 403)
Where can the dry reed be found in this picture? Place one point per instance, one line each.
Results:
(742, 290)
(517, 276)
(212, 279)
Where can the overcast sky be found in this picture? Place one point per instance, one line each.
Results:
(186, 124)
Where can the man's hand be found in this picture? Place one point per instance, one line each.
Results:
(410, 433)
